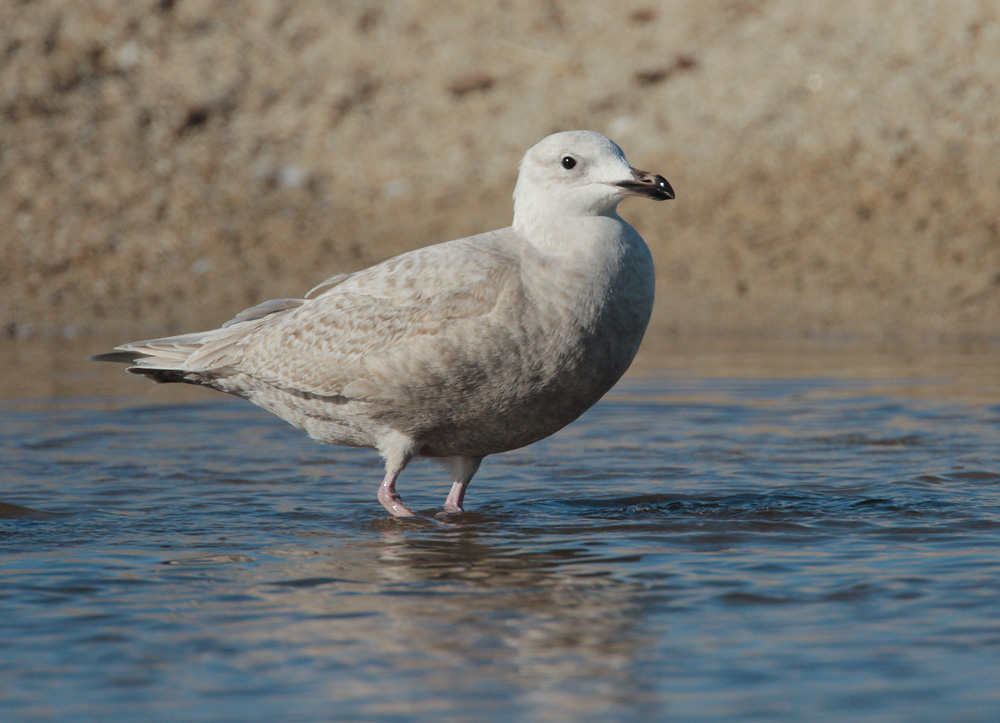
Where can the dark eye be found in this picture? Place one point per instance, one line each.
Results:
(568, 162)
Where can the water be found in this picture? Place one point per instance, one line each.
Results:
(757, 538)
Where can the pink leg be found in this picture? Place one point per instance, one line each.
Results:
(462, 470)
(390, 499)
(397, 450)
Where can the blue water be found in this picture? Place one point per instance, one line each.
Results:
(695, 548)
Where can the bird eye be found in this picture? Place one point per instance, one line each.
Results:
(568, 162)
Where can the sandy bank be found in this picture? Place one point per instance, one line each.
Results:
(163, 164)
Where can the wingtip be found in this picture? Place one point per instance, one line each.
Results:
(121, 357)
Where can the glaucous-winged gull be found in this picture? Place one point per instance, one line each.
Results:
(457, 350)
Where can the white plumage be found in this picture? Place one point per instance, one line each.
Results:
(458, 350)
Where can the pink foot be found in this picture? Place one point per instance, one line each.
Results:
(455, 497)
(391, 500)
(462, 468)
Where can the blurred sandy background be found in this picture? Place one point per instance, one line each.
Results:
(165, 163)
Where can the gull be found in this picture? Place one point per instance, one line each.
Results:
(458, 350)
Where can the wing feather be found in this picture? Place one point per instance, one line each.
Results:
(423, 303)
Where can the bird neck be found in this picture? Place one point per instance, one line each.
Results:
(557, 234)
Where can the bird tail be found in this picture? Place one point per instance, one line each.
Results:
(174, 358)
(199, 357)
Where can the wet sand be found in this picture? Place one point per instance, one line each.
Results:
(55, 368)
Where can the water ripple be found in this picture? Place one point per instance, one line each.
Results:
(691, 548)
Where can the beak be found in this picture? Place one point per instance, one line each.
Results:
(647, 184)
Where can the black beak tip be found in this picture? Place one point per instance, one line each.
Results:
(665, 188)
(648, 185)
